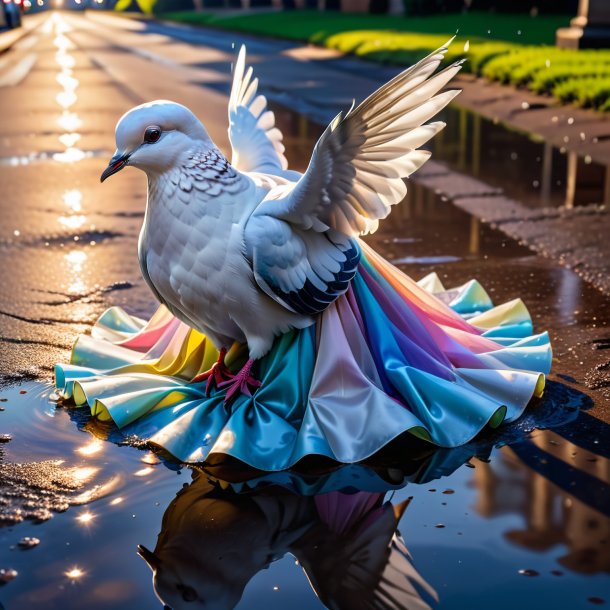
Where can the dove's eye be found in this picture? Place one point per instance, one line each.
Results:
(152, 135)
(188, 593)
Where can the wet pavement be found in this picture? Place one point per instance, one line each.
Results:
(517, 519)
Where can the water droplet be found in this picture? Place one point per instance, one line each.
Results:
(7, 574)
(29, 542)
(74, 573)
(85, 517)
(529, 572)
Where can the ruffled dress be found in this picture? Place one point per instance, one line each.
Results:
(390, 356)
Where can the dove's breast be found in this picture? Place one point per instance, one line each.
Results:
(192, 255)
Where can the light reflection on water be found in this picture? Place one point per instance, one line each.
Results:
(72, 222)
(67, 97)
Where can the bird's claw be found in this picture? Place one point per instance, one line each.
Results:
(242, 383)
(218, 374)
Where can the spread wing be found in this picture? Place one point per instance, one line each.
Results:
(300, 239)
(358, 166)
(255, 140)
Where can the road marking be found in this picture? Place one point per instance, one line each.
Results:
(18, 72)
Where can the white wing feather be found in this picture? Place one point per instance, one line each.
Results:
(255, 140)
(358, 166)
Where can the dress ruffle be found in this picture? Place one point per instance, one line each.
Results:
(390, 356)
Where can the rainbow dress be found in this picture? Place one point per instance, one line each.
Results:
(391, 356)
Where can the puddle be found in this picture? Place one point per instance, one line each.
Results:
(98, 508)
(483, 525)
(525, 168)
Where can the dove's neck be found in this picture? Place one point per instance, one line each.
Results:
(201, 174)
(203, 184)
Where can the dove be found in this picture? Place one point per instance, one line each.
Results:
(214, 539)
(246, 250)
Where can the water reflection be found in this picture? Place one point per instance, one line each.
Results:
(214, 540)
(67, 97)
(341, 525)
(561, 489)
(532, 171)
(526, 168)
(540, 502)
(75, 573)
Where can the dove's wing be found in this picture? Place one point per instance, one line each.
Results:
(358, 165)
(300, 237)
(302, 270)
(255, 140)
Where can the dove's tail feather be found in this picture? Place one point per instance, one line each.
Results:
(388, 357)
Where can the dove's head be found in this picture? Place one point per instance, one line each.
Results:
(210, 546)
(153, 136)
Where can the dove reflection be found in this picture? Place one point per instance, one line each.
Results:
(213, 541)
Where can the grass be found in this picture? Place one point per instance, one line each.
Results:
(317, 26)
(510, 49)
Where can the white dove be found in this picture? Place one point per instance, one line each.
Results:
(248, 250)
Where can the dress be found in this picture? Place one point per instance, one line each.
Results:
(391, 356)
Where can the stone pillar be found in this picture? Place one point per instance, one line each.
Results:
(590, 30)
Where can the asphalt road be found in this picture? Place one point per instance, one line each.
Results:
(68, 243)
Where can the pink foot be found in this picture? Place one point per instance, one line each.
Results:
(218, 374)
(242, 383)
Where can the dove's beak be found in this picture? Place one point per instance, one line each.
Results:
(117, 163)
